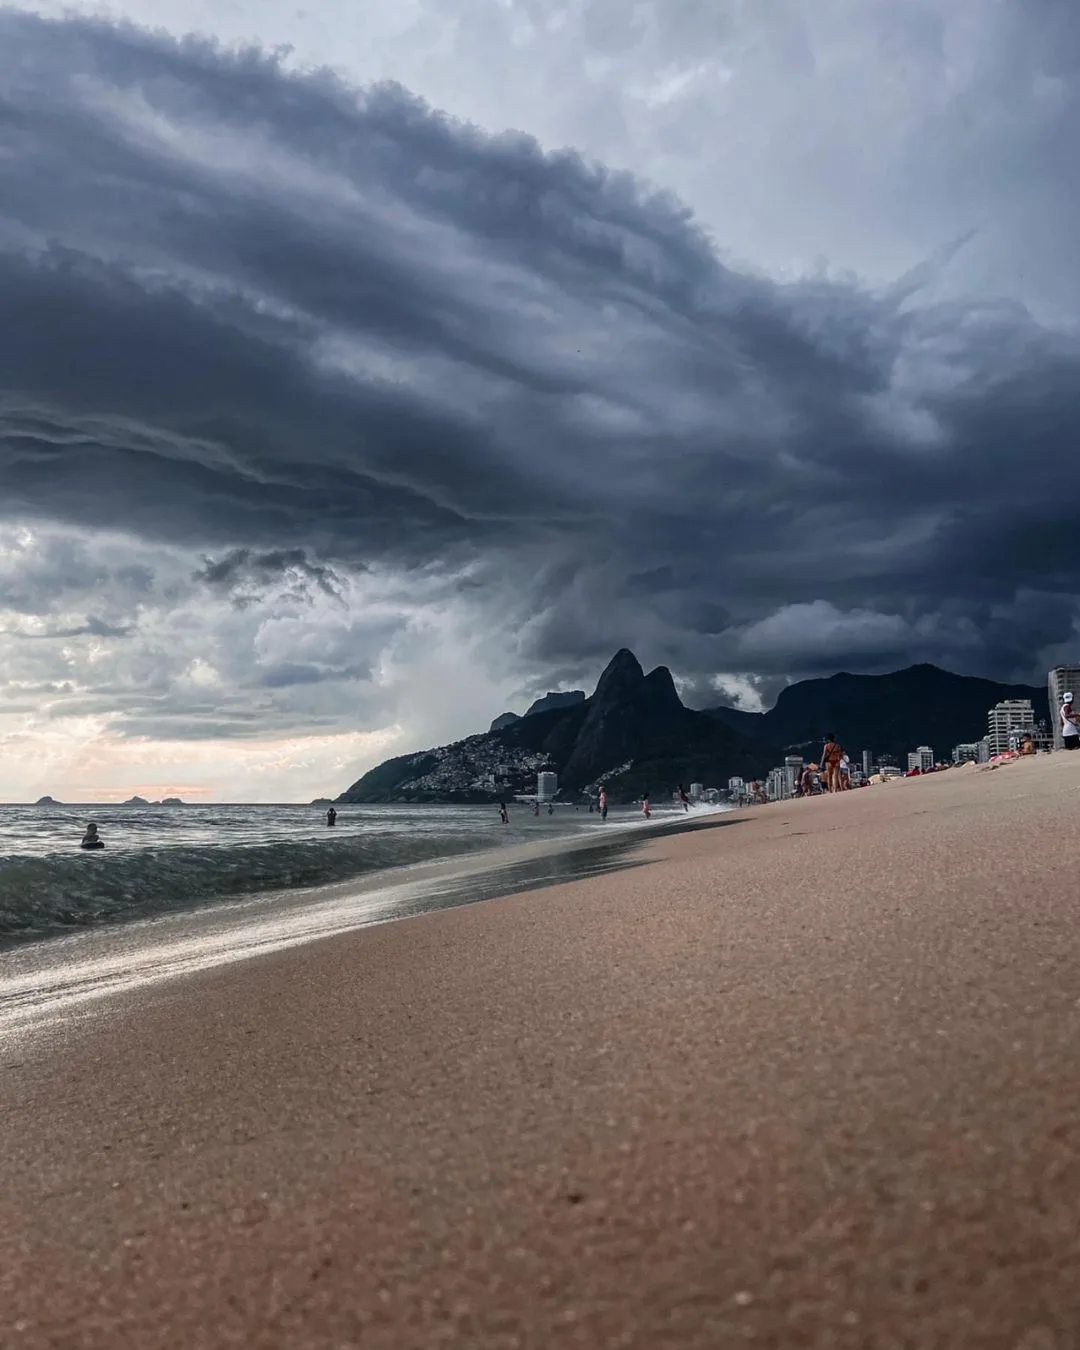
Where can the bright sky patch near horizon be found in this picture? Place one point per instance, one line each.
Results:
(339, 414)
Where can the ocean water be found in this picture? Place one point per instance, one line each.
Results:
(167, 860)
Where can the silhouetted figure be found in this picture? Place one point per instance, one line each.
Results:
(331, 817)
(90, 839)
(504, 814)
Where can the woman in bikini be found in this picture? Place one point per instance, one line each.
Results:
(831, 756)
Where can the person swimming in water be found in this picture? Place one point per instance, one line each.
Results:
(91, 839)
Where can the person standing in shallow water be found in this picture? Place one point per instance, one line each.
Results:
(90, 839)
(504, 814)
(603, 804)
(331, 817)
(646, 809)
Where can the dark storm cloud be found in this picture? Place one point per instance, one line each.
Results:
(283, 322)
(245, 575)
(91, 628)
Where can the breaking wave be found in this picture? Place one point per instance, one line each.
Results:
(45, 896)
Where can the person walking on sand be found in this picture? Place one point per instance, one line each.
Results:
(831, 756)
(684, 800)
(1070, 724)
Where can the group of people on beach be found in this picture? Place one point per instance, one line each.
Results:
(832, 775)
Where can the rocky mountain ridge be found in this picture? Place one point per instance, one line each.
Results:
(885, 714)
(633, 734)
(565, 699)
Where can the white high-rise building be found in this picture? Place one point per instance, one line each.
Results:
(793, 767)
(921, 758)
(776, 785)
(1061, 680)
(697, 791)
(1007, 722)
(967, 752)
(547, 784)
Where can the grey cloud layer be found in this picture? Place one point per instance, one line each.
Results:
(254, 314)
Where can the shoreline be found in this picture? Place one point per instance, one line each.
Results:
(52, 977)
(812, 1080)
(48, 892)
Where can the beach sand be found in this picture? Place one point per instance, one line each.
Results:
(807, 1077)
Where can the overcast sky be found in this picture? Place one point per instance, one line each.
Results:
(367, 369)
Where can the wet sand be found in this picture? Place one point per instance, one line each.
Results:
(811, 1078)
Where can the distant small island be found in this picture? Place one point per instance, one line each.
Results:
(322, 801)
(47, 801)
(171, 801)
(135, 801)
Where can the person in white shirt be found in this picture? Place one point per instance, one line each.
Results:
(1070, 723)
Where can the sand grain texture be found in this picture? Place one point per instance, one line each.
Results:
(807, 1078)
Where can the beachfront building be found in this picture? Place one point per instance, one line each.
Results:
(697, 791)
(984, 750)
(1061, 680)
(867, 761)
(547, 784)
(735, 785)
(1007, 723)
(967, 752)
(921, 758)
(783, 780)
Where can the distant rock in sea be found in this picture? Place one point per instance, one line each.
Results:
(322, 801)
(47, 801)
(135, 801)
(171, 801)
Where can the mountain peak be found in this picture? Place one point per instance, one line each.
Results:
(661, 687)
(622, 674)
